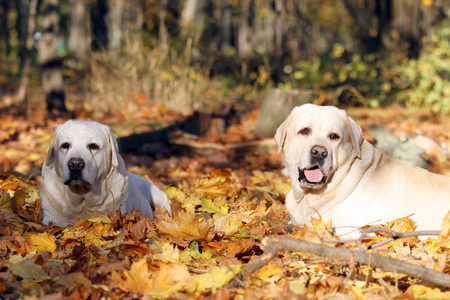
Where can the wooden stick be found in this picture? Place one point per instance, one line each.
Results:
(276, 244)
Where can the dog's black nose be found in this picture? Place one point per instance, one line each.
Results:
(319, 152)
(76, 164)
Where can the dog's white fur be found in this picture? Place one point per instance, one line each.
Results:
(103, 185)
(361, 185)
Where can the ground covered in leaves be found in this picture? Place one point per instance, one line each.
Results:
(224, 205)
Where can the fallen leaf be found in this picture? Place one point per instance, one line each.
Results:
(43, 242)
(184, 224)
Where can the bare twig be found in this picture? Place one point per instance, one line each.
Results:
(275, 244)
(394, 236)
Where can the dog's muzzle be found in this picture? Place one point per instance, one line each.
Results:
(76, 166)
(312, 176)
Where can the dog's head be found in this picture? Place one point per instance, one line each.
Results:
(316, 140)
(82, 154)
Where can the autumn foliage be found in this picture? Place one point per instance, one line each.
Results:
(221, 214)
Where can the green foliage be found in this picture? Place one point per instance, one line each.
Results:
(428, 78)
(421, 83)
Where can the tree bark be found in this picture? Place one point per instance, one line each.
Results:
(22, 92)
(163, 33)
(406, 22)
(115, 26)
(4, 32)
(77, 44)
(51, 76)
(279, 37)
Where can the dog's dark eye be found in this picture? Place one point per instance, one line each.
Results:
(93, 146)
(304, 131)
(65, 146)
(334, 136)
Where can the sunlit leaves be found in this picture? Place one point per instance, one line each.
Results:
(217, 225)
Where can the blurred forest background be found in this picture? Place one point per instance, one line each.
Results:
(184, 85)
(215, 55)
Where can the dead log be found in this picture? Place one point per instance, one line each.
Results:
(137, 141)
(276, 244)
(276, 106)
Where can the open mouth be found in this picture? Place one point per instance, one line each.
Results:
(313, 177)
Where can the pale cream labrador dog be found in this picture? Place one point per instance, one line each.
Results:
(337, 175)
(83, 173)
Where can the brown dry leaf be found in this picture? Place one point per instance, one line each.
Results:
(186, 225)
(402, 225)
(240, 246)
(73, 279)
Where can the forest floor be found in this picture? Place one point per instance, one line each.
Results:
(224, 203)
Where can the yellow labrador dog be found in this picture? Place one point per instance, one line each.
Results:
(338, 175)
(83, 173)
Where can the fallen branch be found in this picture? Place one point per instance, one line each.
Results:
(275, 244)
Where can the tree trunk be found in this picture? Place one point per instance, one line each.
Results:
(163, 33)
(225, 26)
(4, 32)
(115, 26)
(99, 32)
(22, 93)
(279, 37)
(277, 105)
(77, 44)
(51, 77)
(406, 22)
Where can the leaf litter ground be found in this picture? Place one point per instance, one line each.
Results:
(223, 206)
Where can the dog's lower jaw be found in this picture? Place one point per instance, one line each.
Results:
(79, 187)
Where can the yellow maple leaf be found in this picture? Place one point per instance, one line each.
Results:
(402, 224)
(137, 279)
(175, 194)
(228, 224)
(43, 242)
(424, 292)
(184, 224)
(169, 252)
(191, 203)
(99, 219)
(209, 206)
(213, 185)
(270, 272)
(168, 279)
(211, 281)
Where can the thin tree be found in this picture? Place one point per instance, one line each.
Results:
(22, 92)
(51, 76)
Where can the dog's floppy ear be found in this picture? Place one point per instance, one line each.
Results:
(280, 135)
(356, 135)
(113, 146)
(52, 148)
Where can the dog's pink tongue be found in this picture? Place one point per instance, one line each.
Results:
(314, 175)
